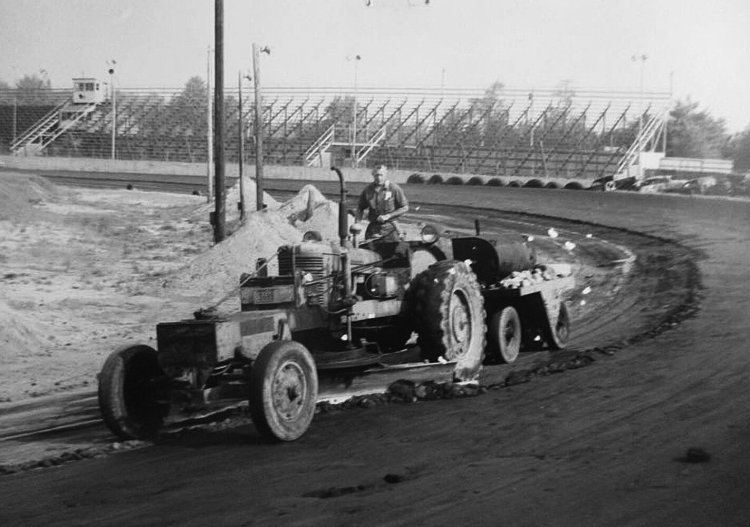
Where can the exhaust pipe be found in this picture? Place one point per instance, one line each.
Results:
(343, 215)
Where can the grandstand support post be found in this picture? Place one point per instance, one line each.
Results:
(209, 131)
(241, 147)
(258, 129)
(666, 112)
(220, 210)
(529, 116)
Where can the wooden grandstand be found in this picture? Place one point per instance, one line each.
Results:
(497, 132)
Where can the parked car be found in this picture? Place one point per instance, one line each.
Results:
(660, 184)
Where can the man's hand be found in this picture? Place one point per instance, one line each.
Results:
(383, 218)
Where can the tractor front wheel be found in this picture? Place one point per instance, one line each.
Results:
(283, 391)
(130, 399)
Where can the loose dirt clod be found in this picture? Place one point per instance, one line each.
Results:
(335, 492)
(696, 455)
(393, 478)
(402, 391)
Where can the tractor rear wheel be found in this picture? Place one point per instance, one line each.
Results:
(129, 396)
(505, 334)
(283, 391)
(558, 335)
(449, 316)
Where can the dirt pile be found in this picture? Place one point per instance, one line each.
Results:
(19, 196)
(20, 193)
(216, 273)
(84, 271)
(310, 210)
(302, 206)
(324, 220)
(249, 191)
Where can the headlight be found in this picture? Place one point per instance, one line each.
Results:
(430, 234)
(312, 236)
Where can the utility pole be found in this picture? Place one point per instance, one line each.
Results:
(209, 131)
(642, 59)
(357, 58)
(114, 107)
(15, 107)
(220, 190)
(15, 114)
(241, 147)
(258, 128)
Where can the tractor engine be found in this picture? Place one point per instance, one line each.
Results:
(310, 274)
(330, 293)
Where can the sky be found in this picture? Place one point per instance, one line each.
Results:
(694, 48)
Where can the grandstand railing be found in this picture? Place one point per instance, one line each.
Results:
(372, 142)
(51, 128)
(44, 124)
(647, 136)
(319, 146)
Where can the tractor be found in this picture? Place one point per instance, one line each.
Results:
(345, 306)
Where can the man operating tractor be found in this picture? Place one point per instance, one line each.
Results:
(384, 201)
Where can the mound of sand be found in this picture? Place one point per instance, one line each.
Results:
(324, 219)
(310, 210)
(302, 206)
(216, 273)
(249, 191)
(20, 193)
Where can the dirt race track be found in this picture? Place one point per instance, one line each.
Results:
(654, 431)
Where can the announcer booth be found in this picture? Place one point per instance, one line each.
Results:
(87, 90)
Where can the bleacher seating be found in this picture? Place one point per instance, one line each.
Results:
(513, 134)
